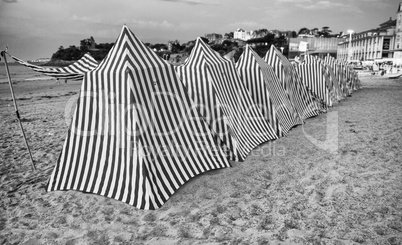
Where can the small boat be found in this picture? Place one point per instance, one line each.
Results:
(393, 76)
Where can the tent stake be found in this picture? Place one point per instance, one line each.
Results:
(3, 53)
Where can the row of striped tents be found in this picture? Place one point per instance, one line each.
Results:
(312, 74)
(267, 91)
(302, 99)
(136, 135)
(235, 120)
(74, 71)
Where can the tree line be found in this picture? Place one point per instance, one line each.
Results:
(260, 45)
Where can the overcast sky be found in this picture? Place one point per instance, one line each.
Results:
(36, 28)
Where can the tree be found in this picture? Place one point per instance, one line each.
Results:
(159, 46)
(325, 32)
(303, 30)
(229, 35)
(175, 46)
(205, 40)
(85, 44)
(269, 38)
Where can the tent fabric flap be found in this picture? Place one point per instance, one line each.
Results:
(75, 71)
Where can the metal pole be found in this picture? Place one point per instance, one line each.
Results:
(3, 53)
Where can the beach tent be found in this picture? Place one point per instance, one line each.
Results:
(352, 77)
(312, 73)
(74, 71)
(348, 77)
(267, 91)
(135, 135)
(224, 102)
(332, 81)
(302, 99)
(333, 84)
(340, 73)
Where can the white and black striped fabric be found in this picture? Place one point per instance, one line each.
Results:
(332, 82)
(339, 72)
(136, 135)
(74, 71)
(224, 102)
(312, 74)
(267, 91)
(352, 79)
(298, 93)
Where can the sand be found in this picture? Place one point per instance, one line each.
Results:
(335, 180)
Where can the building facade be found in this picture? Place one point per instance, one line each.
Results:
(316, 46)
(369, 45)
(398, 34)
(213, 37)
(243, 35)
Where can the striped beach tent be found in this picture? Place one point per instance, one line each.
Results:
(267, 91)
(74, 71)
(135, 135)
(346, 70)
(340, 74)
(334, 72)
(302, 99)
(224, 102)
(352, 77)
(312, 73)
(332, 81)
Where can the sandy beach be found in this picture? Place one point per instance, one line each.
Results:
(335, 180)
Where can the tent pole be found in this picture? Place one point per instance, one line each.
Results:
(3, 53)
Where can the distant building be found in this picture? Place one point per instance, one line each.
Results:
(398, 33)
(243, 35)
(40, 60)
(316, 46)
(306, 36)
(369, 45)
(213, 37)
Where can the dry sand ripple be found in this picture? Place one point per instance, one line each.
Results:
(287, 191)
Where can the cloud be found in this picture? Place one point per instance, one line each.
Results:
(247, 24)
(10, 1)
(150, 24)
(193, 2)
(85, 19)
(324, 5)
(293, 1)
